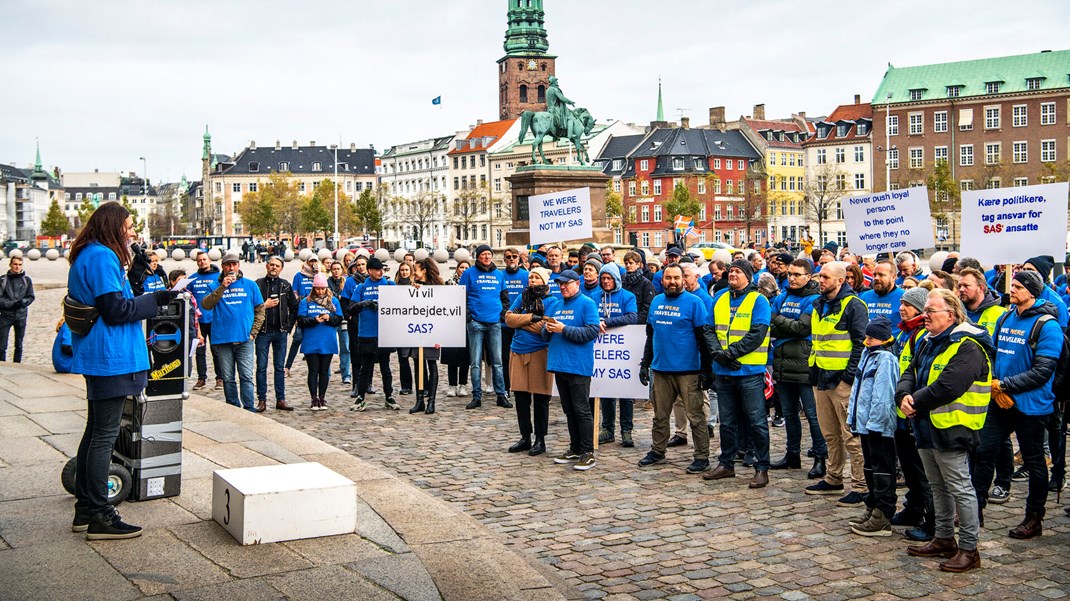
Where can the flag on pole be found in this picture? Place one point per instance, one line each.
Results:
(680, 223)
(436, 100)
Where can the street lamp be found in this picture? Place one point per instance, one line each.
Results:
(334, 147)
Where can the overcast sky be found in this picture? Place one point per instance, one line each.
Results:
(102, 83)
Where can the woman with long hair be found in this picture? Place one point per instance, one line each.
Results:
(425, 273)
(456, 359)
(319, 316)
(110, 351)
(406, 360)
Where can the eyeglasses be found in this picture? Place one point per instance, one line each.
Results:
(512, 256)
(934, 311)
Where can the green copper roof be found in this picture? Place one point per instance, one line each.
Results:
(38, 169)
(526, 34)
(207, 152)
(661, 108)
(1011, 72)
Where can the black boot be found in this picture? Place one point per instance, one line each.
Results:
(419, 406)
(521, 445)
(538, 448)
(818, 471)
(430, 394)
(791, 461)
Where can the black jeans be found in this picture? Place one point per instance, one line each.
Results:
(576, 404)
(430, 378)
(6, 323)
(354, 355)
(319, 373)
(919, 497)
(299, 334)
(1057, 443)
(202, 359)
(370, 354)
(1029, 430)
(456, 374)
(406, 366)
(523, 413)
(507, 343)
(878, 455)
(94, 454)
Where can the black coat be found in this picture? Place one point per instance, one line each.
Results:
(16, 294)
(791, 358)
(643, 291)
(288, 302)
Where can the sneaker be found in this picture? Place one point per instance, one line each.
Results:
(586, 462)
(677, 441)
(218, 384)
(626, 439)
(920, 534)
(749, 460)
(110, 527)
(567, 457)
(651, 458)
(451, 391)
(390, 404)
(503, 401)
(405, 391)
(876, 525)
(698, 466)
(778, 422)
(824, 488)
(907, 517)
(359, 404)
(81, 521)
(999, 495)
(199, 385)
(604, 436)
(863, 519)
(462, 390)
(1021, 475)
(1055, 485)
(347, 381)
(851, 499)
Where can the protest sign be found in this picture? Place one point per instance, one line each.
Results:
(616, 363)
(558, 216)
(1009, 225)
(888, 221)
(427, 316)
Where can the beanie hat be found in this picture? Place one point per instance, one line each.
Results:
(949, 264)
(785, 259)
(537, 259)
(743, 266)
(879, 328)
(1031, 281)
(543, 273)
(592, 260)
(375, 263)
(915, 297)
(320, 281)
(1044, 265)
(481, 248)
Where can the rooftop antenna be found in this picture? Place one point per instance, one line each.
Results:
(681, 111)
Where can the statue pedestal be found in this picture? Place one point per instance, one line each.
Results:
(544, 179)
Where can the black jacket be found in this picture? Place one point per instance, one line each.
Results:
(854, 320)
(16, 294)
(288, 303)
(791, 359)
(636, 283)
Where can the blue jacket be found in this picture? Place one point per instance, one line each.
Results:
(319, 338)
(872, 404)
(62, 352)
(1014, 357)
(235, 311)
(483, 291)
(368, 322)
(572, 351)
(153, 283)
(616, 308)
(201, 286)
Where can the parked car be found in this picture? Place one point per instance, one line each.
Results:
(708, 248)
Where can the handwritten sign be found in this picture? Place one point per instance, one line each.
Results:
(1009, 225)
(557, 216)
(616, 363)
(888, 221)
(427, 316)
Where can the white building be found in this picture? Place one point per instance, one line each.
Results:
(478, 213)
(414, 190)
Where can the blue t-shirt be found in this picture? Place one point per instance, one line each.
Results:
(322, 338)
(368, 322)
(153, 283)
(615, 304)
(565, 356)
(658, 288)
(707, 300)
(60, 360)
(793, 307)
(884, 304)
(524, 342)
(1013, 356)
(515, 283)
(302, 285)
(483, 291)
(762, 315)
(107, 350)
(233, 321)
(674, 321)
(201, 286)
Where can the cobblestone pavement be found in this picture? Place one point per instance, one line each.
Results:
(617, 532)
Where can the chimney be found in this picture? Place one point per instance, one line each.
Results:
(252, 144)
(717, 117)
(802, 115)
(278, 145)
(352, 147)
(294, 147)
(311, 142)
(685, 122)
(858, 99)
(479, 122)
(759, 112)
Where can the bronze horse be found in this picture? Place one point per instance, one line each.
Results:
(578, 123)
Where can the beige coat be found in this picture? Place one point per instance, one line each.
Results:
(527, 372)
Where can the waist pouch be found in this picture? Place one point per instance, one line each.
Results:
(79, 318)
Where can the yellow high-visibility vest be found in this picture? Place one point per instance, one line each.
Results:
(989, 317)
(970, 409)
(732, 328)
(831, 348)
(905, 356)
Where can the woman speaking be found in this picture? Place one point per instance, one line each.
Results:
(109, 347)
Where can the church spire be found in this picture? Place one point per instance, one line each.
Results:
(38, 168)
(525, 34)
(661, 107)
(207, 153)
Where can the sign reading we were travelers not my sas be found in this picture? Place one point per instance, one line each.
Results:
(558, 216)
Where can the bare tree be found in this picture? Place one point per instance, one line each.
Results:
(466, 210)
(420, 213)
(823, 188)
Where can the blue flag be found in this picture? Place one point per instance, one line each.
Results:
(436, 100)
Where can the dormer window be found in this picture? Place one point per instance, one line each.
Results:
(699, 164)
(618, 164)
(316, 166)
(916, 94)
(254, 167)
(992, 87)
(1034, 83)
(861, 127)
(953, 91)
(677, 163)
(284, 166)
(769, 136)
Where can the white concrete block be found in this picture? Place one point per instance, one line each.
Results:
(283, 502)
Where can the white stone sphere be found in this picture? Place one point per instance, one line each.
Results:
(161, 254)
(2, 255)
(363, 252)
(441, 255)
(215, 254)
(288, 255)
(722, 254)
(193, 253)
(462, 254)
(399, 255)
(420, 254)
(178, 254)
(33, 254)
(382, 254)
(304, 254)
(340, 253)
(804, 255)
(15, 254)
(324, 254)
(937, 260)
(52, 254)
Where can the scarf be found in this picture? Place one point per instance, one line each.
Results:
(531, 300)
(324, 301)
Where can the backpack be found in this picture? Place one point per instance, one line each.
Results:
(1060, 383)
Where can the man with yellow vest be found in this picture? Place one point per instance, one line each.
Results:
(945, 391)
(838, 329)
(737, 333)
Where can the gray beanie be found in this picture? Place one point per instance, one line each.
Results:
(1031, 281)
(915, 297)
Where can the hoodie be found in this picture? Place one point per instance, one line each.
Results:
(871, 407)
(792, 311)
(16, 295)
(854, 320)
(617, 307)
(990, 300)
(483, 290)
(1026, 373)
(639, 285)
(204, 281)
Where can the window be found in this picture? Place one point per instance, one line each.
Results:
(992, 152)
(1047, 113)
(965, 119)
(677, 163)
(822, 156)
(953, 91)
(991, 117)
(631, 188)
(992, 183)
(893, 158)
(646, 239)
(1047, 151)
(840, 155)
(915, 123)
(1021, 181)
(702, 213)
(1020, 115)
(252, 186)
(657, 187)
(657, 239)
(728, 211)
(716, 163)
(1033, 83)
(541, 92)
(783, 183)
(235, 187)
(219, 187)
(657, 213)
(717, 186)
(893, 125)
(966, 155)
(822, 185)
(729, 186)
(523, 93)
(645, 187)
(717, 212)
(456, 183)
(618, 164)
(916, 94)
(644, 165)
(772, 158)
(645, 213)
(940, 122)
(316, 166)
(791, 159)
(284, 166)
(860, 182)
(861, 128)
(700, 164)
(841, 182)
(992, 87)
(113, 196)
(860, 154)
(701, 186)
(893, 186)
(301, 186)
(841, 130)
(917, 158)
(783, 160)
(940, 154)
(498, 185)
(616, 185)
(78, 196)
(966, 185)
(1021, 152)
(740, 165)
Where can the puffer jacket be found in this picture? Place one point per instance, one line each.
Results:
(791, 357)
(16, 295)
(872, 404)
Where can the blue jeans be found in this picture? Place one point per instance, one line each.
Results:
(275, 342)
(243, 356)
(94, 454)
(627, 412)
(791, 396)
(343, 353)
(741, 400)
(490, 335)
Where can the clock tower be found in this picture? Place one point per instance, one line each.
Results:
(524, 72)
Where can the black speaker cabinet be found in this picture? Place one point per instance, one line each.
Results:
(150, 446)
(168, 336)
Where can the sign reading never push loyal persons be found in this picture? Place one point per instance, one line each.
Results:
(888, 221)
(427, 316)
(1009, 225)
(616, 364)
(557, 216)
